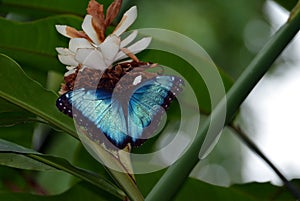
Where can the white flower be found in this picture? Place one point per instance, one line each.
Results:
(87, 50)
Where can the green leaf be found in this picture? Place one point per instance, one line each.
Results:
(195, 190)
(6, 106)
(41, 161)
(19, 89)
(83, 159)
(20, 133)
(8, 119)
(55, 145)
(11, 115)
(33, 44)
(22, 162)
(37, 8)
(79, 192)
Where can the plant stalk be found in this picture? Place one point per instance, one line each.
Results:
(246, 140)
(174, 177)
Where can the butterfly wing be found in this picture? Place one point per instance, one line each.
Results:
(97, 113)
(148, 103)
(121, 121)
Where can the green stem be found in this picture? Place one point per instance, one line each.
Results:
(295, 11)
(289, 185)
(175, 176)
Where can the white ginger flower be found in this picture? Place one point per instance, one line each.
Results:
(89, 48)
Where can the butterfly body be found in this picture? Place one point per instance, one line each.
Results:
(128, 111)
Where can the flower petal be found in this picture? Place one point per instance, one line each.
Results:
(88, 28)
(96, 11)
(77, 43)
(71, 70)
(62, 29)
(63, 51)
(68, 59)
(112, 11)
(110, 48)
(127, 20)
(135, 48)
(70, 32)
(129, 39)
(91, 58)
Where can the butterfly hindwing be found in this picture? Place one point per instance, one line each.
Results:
(121, 121)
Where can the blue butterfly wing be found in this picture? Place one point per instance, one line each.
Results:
(148, 103)
(114, 125)
(95, 110)
(121, 121)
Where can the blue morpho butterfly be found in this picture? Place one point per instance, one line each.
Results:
(124, 106)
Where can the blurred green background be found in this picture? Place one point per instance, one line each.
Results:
(218, 26)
